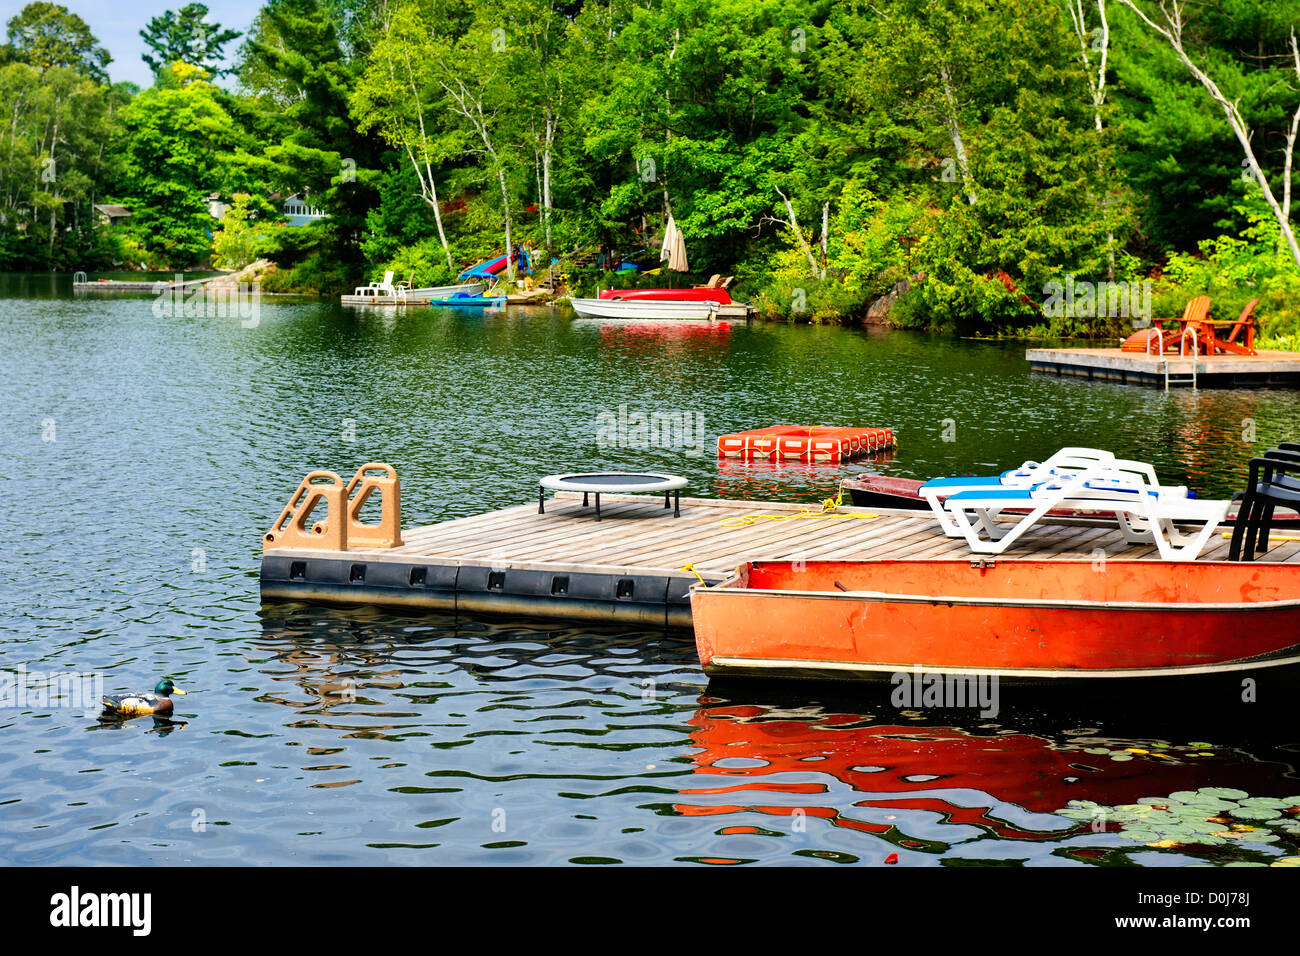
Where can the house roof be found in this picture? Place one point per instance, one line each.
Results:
(112, 210)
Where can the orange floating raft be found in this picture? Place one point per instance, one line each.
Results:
(804, 443)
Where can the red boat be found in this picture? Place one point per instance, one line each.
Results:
(720, 296)
(1017, 619)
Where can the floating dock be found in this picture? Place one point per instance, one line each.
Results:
(627, 568)
(155, 286)
(1265, 370)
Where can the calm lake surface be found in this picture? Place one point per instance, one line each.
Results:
(144, 455)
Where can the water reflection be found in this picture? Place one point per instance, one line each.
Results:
(327, 736)
(919, 784)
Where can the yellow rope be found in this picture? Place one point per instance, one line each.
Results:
(830, 508)
(1271, 537)
(691, 568)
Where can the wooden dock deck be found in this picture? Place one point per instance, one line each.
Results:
(628, 566)
(1265, 370)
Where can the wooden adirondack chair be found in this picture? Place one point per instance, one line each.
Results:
(1195, 315)
(1246, 324)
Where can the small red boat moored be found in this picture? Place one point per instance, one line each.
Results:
(720, 296)
(1016, 619)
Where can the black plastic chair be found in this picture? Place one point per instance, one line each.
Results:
(1273, 480)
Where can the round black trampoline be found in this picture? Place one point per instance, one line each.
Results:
(613, 482)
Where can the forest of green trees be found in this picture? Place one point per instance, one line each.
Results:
(969, 155)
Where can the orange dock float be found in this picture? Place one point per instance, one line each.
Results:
(1019, 619)
(804, 443)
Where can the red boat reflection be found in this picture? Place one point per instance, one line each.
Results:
(678, 333)
(962, 776)
(778, 481)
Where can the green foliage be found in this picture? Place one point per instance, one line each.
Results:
(422, 262)
(54, 164)
(314, 146)
(180, 146)
(186, 36)
(46, 35)
(401, 218)
(1232, 270)
(247, 226)
(952, 149)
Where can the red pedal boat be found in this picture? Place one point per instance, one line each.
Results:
(1016, 619)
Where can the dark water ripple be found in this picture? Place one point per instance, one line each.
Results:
(317, 736)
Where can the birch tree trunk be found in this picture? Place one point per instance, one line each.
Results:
(1172, 31)
(1096, 87)
(954, 130)
(826, 224)
(428, 188)
(793, 223)
(546, 174)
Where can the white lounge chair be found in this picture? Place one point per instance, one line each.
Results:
(384, 287)
(1144, 512)
(1063, 464)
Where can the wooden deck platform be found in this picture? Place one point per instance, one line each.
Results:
(628, 566)
(1265, 370)
(128, 285)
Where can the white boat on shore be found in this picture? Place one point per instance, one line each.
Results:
(633, 309)
(674, 304)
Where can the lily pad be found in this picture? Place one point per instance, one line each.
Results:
(1254, 813)
(1229, 793)
(1139, 836)
(1265, 803)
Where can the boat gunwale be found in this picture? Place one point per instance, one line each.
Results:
(723, 665)
(731, 586)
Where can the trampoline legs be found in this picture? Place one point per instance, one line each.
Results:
(541, 501)
(584, 499)
(677, 504)
(665, 499)
(598, 506)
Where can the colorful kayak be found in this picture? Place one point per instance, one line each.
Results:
(470, 301)
(1019, 619)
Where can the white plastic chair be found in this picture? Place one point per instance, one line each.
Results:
(1144, 512)
(384, 287)
(1064, 464)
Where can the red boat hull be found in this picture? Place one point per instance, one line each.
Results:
(720, 296)
(1018, 618)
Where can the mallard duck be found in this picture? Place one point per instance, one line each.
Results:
(135, 705)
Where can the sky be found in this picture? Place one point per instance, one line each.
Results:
(117, 25)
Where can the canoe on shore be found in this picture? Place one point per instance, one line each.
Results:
(887, 491)
(1029, 619)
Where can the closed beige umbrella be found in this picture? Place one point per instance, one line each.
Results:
(674, 247)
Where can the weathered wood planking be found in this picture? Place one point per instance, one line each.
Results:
(629, 565)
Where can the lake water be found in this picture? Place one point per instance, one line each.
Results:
(144, 455)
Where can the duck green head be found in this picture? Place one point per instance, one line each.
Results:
(166, 688)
